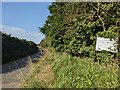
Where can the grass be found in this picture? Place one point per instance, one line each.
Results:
(55, 70)
(81, 73)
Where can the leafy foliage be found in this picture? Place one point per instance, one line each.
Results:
(45, 42)
(14, 48)
(74, 26)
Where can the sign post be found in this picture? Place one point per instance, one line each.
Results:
(109, 45)
(106, 44)
(118, 24)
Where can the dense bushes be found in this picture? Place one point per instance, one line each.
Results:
(14, 48)
(74, 26)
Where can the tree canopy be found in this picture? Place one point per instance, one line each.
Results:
(74, 26)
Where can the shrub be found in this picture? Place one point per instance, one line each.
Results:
(14, 48)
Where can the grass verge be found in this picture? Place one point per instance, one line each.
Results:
(55, 70)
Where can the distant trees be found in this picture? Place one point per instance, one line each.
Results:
(74, 26)
(14, 48)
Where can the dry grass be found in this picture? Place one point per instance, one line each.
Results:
(46, 74)
(41, 71)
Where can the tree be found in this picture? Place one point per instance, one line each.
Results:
(74, 26)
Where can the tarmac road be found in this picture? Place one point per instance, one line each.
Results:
(12, 72)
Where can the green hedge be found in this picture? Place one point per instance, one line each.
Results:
(14, 48)
(74, 26)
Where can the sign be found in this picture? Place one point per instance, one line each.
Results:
(106, 44)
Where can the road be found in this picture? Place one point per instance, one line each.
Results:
(14, 71)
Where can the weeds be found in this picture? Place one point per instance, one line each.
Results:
(56, 70)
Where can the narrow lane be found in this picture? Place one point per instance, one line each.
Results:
(14, 71)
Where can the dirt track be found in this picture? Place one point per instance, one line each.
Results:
(14, 71)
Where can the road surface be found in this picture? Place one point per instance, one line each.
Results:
(14, 71)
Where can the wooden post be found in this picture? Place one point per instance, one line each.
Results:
(118, 24)
(119, 45)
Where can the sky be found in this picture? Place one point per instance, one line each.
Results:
(23, 19)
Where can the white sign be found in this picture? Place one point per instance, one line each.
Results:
(106, 44)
